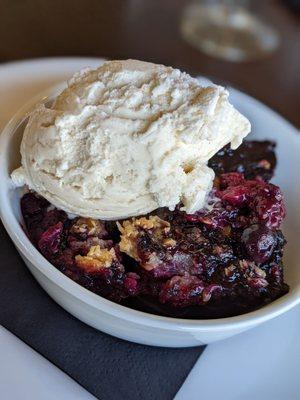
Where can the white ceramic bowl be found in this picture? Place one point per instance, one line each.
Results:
(134, 325)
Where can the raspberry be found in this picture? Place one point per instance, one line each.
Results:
(50, 240)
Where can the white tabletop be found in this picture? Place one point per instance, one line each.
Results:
(26, 375)
(261, 364)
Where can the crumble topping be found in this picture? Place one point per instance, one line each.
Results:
(96, 259)
(169, 242)
(130, 231)
(88, 227)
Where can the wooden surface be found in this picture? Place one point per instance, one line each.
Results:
(149, 30)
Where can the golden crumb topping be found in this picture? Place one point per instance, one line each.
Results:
(131, 230)
(96, 259)
(169, 242)
(88, 226)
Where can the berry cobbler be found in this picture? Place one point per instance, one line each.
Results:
(222, 260)
(141, 188)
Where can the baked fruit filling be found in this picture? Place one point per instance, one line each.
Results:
(221, 261)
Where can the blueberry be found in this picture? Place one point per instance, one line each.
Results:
(259, 243)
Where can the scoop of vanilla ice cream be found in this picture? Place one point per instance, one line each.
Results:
(127, 138)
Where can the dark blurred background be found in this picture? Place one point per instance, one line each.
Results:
(150, 30)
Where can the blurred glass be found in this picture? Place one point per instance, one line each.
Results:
(228, 29)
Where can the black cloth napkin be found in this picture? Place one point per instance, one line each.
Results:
(109, 368)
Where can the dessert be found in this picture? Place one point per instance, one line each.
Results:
(205, 245)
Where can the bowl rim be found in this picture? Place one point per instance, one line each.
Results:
(28, 250)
